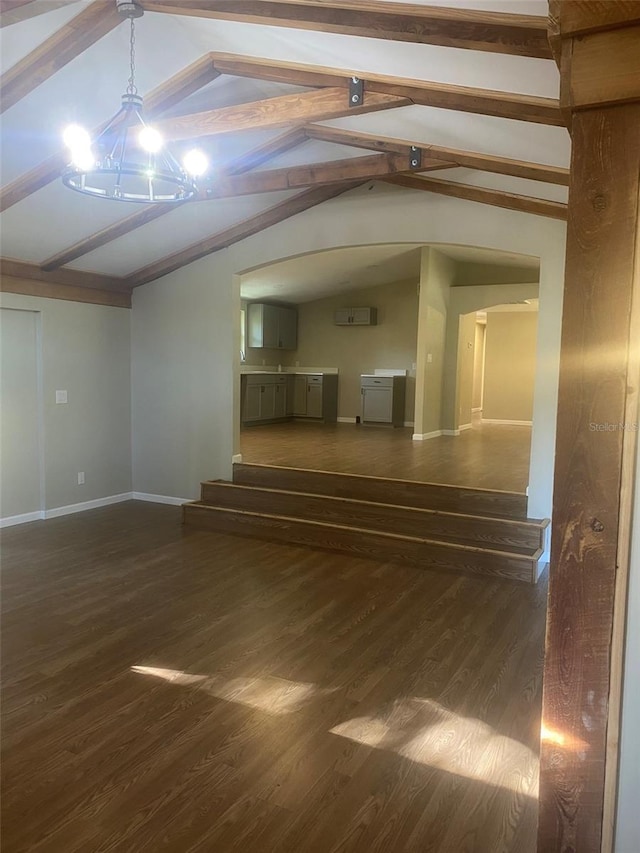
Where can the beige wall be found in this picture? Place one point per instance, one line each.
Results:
(478, 367)
(466, 350)
(20, 415)
(85, 350)
(510, 365)
(437, 273)
(467, 300)
(361, 349)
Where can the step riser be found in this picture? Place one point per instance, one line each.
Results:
(362, 544)
(482, 532)
(403, 493)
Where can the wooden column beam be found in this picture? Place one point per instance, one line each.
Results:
(68, 278)
(160, 99)
(239, 231)
(93, 22)
(250, 160)
(596, 438)
(520, 35)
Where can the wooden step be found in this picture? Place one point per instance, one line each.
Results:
(434, 496)
(375, 545)
(503, 534)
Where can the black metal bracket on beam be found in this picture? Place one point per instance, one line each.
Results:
(356, 92)
(415, 157)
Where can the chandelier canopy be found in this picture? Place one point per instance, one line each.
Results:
(129, 160)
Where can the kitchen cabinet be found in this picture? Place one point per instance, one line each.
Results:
(356, 317)
(272, 326)
(383, 399)
(264, 397)
(316, 396)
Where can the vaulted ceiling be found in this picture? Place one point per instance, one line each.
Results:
(264, 88)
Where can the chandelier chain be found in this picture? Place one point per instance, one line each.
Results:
(132, 89)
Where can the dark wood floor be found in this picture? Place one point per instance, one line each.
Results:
(489, 456)
(178, 690)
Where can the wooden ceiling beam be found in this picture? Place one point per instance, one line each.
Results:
(239, 231)
(70, 293)
(250, 160)
(284, 110)
(582, 17)
(160, 99)
(295, 177)
(497, 198)
(454, 157)
(72, 39)
(520, 35)
(15, 11)
(444, 95)
(71, 278)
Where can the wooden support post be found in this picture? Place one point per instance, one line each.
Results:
(595, 454)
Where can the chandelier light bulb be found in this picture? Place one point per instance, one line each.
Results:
(150, 139)
(195, 162)
(83, 159)
(76, 138)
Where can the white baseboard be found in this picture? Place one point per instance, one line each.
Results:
(506, 423)
(160, 499)
(408, 423)
(23, 518)
(346, 420)
(463, 427)
(424, 436)
(451, 432)
(236, 458)
(477, 409)
(85, 505)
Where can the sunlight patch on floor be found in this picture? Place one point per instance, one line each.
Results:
(426, 732)
(269, 693)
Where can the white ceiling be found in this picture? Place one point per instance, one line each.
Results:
(88, 90)
(327, 273)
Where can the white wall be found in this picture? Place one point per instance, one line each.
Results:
(181, 429)
(86, 352)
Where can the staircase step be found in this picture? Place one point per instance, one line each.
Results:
(435, 496)
(502, 534)
(358, 542)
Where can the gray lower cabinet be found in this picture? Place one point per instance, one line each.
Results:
(383, 399)
(276, 396)
(264, 397)
(316, 396)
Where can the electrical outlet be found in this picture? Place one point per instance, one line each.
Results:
(81, 478)
(61, 397)
(429, 358)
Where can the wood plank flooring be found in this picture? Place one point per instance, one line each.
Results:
(168, 689)
(488, 456)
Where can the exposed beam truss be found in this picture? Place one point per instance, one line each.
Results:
(453, 156)
(497, 198)
(85, 29)
(522, 35)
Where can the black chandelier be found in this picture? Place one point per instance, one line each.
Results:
(129, 160)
